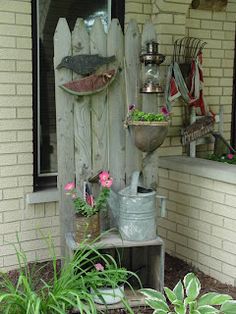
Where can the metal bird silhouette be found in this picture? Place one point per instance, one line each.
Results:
(84, 64)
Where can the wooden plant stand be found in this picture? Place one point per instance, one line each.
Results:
(154, 262)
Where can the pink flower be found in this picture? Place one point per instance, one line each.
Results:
(69, 186)
(103, 176)
(131, 107)
(107, 183)
(99, 267)
(230, 156)
(164, 111)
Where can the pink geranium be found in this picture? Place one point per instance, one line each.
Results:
(107, 183)
(85, 204)
(69, 186)
(103, 176)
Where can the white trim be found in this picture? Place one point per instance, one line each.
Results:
(200, 167)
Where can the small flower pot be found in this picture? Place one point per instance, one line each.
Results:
(86, 228)
(110, 295)
(148, 135)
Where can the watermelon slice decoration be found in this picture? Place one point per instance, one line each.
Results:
(91, 84)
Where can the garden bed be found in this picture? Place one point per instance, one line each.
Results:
(175, 269)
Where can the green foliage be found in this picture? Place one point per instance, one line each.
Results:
(111, 276)
(137, 115)
(229, 158)
(83, 208)
(185, 299)
(68, 288)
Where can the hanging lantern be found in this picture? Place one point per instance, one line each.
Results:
(151, 60)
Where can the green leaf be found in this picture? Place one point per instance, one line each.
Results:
(177, 302)
(179, 291)
(160, 312)
(228, 307)
(194, 312)
(187, 279)
(158, 305)
(153, 294)
(207, 309)
(193, 288)
(180, 309)
(192, 306)
(170, 294)
(213, 298)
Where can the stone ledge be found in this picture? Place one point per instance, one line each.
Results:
(200, 167)
(46, 196)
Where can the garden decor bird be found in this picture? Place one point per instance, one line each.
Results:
(84, 64)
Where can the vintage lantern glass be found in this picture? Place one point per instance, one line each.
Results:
(151, 61)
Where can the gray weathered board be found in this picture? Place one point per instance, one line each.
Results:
(90, 129)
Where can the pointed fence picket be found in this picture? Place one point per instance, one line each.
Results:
(90, 129)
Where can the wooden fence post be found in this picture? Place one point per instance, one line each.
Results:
(82, 112)
(65, 129)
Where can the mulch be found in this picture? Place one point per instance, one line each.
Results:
(175, 270)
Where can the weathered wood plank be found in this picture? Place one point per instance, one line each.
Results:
(98, 44)
(132, 74)
(116, 107)
(82, 113)
(99, 112)
(65, 136)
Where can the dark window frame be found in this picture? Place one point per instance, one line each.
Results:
(233, 121)
(44, 182)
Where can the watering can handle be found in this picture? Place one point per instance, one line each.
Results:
(134, 182)
(163, 204)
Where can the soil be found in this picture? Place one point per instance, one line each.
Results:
(175, 269)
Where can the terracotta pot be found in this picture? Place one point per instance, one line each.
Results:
(148, 136)
(87, 228)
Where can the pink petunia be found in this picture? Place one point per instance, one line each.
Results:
(99, 267)
(103, 176)
(230, 156)
(107, 183)
(69, 186)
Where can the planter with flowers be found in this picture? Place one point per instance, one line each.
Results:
(107, 285)
(87, 209)
(148, 130)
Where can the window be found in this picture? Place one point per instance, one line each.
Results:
(45, 17)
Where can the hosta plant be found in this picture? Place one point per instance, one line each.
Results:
(185, 299)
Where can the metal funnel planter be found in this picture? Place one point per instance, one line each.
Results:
(148, 135)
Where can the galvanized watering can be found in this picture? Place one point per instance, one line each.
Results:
(134, 209)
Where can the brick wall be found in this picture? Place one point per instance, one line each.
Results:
(139, 10)
(16, 159)
(218, 30)
(174, 20)
(200, 226)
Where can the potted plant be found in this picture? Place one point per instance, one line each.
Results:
(107, 282)
(87, 221)
(148, 130)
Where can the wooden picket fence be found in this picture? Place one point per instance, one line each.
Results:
(90, 131)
